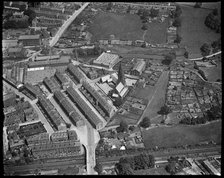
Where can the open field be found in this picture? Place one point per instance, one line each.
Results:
(182, 135)
(152, 171)
(156, 33)
(193, 31)
(158, 99)
(126, 27)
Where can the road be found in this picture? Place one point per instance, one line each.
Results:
(200, 58)
(66, 24)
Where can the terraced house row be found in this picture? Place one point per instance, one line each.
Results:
(76, 117)
(76, 73)
(51, 84)
(100, 101)
(85, 109)
(53, 114)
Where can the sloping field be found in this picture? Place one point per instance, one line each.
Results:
(125, 27)
(193, 30)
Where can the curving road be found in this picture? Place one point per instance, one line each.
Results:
(66, 24)
(200, 58)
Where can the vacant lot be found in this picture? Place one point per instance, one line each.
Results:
(126, 27)
(156, 33)
(182, 135)
(193, 30)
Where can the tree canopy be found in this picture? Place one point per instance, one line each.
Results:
(164, 110)
(177, 22)
(205, 49)
(123, 127)
(145, 122)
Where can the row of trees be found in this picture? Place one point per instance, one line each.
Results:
(213, 21)
(213, 113)
(176, 165)
(127, 165)
(201, 72)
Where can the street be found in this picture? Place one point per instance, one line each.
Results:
(66, 25)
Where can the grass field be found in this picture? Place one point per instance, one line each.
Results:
(158, 99)
(156, 33)
(152, 171)
(182, 135)
(126, 27)
(193, 31)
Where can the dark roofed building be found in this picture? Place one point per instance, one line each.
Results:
(72, 135)
(61, 79)
(30, 40)
(106, 107)
(86, 110)
(75, 117)
(9, 99)
(76, 73)
(51, 84)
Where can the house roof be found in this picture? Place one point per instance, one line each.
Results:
(107, 59)
(29, 37)
(119, 87)
(14, 50)
(139, 65)
(122, 93)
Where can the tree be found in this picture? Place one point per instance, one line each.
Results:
(118, 102)
(123, 126)
(140, 12)
(178, 11)
(215, 12)
(129, 9)
(123, 169)
(144, 27)
(177, 22)
(186, 54)
(178, 39)
(131, 128)
(168, 58)
(154, 12)
(164, 110)
(110, 5)
(98, 168)
(145, 122)
(205, 49)
(198, 5)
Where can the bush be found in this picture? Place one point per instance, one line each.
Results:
(144, 27)
(198, 5)
(177, 22)
(164, 110)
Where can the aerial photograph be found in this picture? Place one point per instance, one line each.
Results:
(111, 88)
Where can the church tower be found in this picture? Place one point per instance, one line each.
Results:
(121, 77)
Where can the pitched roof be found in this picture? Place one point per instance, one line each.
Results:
(29, 37)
